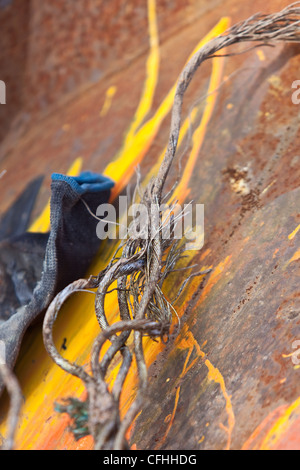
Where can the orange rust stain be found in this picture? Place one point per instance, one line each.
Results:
(281, 426)
(254, 441)
(215, 276)
(139, 137)
(177, 395)
(110, 93)
(295, 257)
(261, 55)
(131, 428)
(285, 356)
(188, 341)
(182, 190)
(215, 375)
(205, 254)
(272, 430)
(294, 233)
(134, 151)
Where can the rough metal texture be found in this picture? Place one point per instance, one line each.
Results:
(49, 50)
(14, 18)
(242, 325)
(228, 380)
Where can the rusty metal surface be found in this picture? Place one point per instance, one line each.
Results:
(51, 52)
(228, 380)
(246, 324)
(245, 319)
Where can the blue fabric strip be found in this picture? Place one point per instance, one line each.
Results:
(86, 182)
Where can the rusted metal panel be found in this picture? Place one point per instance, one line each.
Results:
(230, 377)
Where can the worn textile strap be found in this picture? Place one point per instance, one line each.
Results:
(71, 246)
